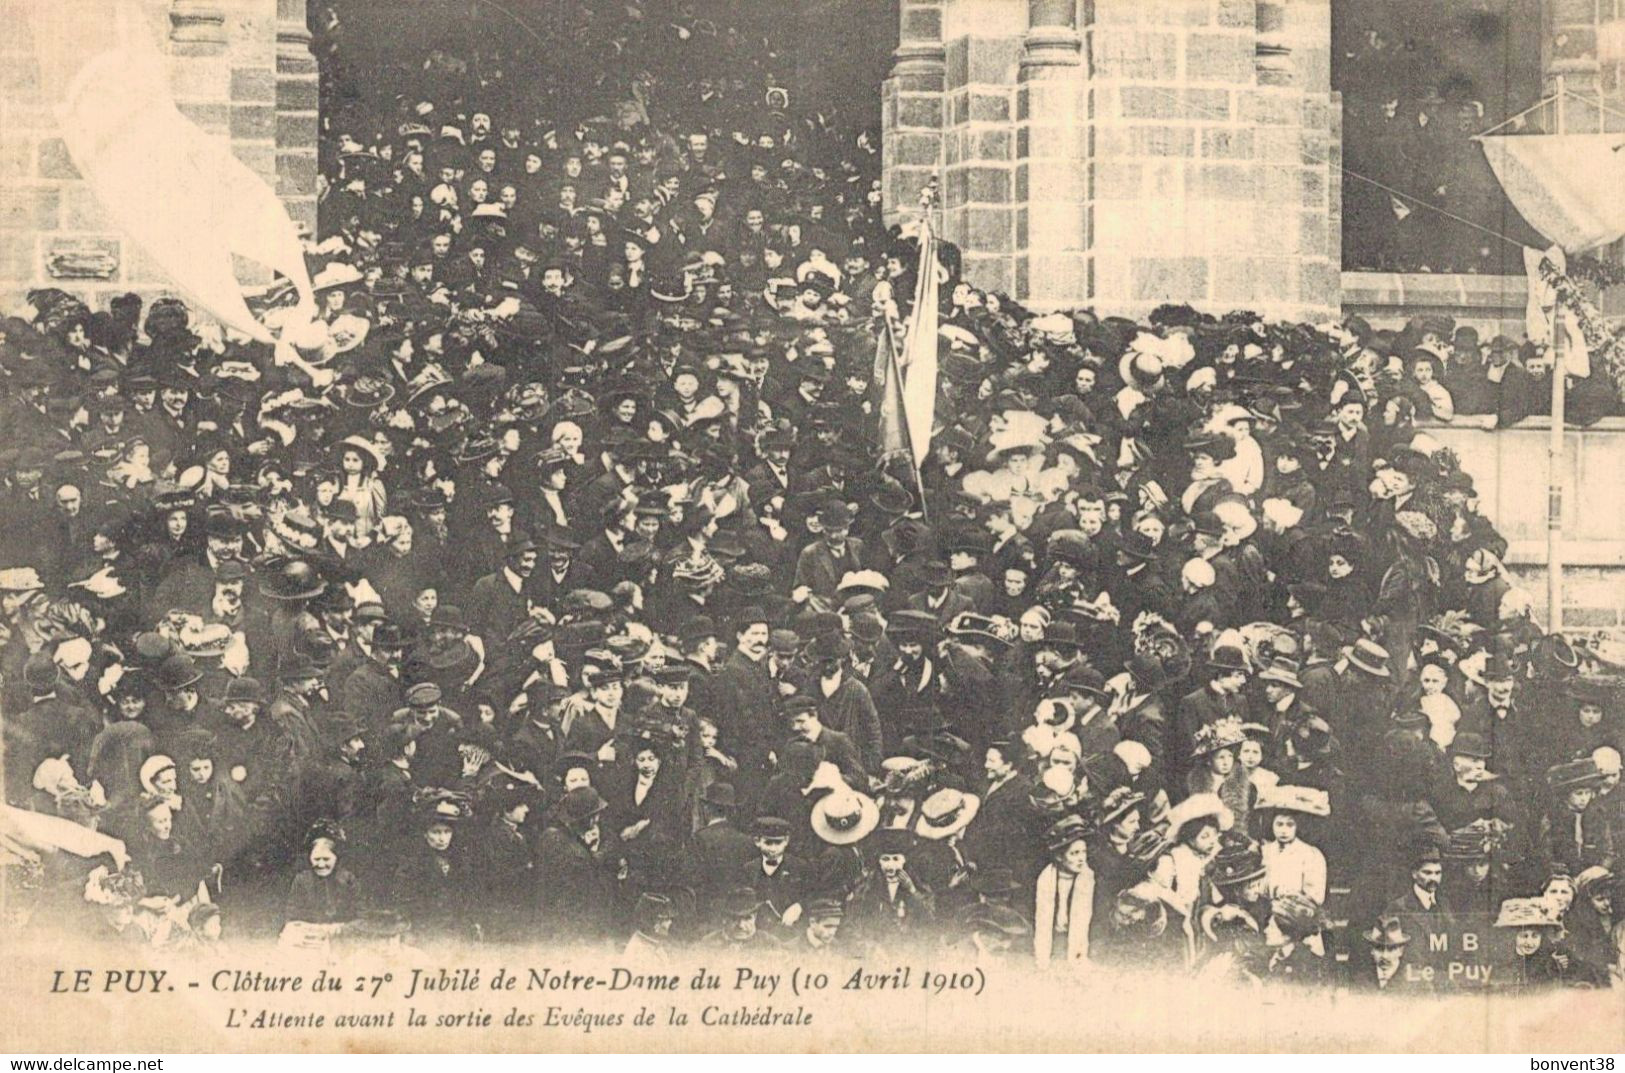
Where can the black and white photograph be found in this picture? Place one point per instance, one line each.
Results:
(812, 525)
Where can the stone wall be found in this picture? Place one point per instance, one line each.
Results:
(1125, 153)
(1509, 468)
(1491, 305)
(1570, 37)
(241, 69)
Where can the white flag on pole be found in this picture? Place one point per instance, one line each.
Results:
(920, 352)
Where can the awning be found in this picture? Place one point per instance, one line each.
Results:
(1569, 187)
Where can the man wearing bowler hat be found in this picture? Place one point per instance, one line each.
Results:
(1471, 791)
(374, 689)
(253, 752)
(905, 693)
(700, 645)
(576, 863)
(718, 849)
(296, 708)
(559, 574)
(741, 911)
(835, 553)
(938, 596)
(844, 703)
(1228, 674)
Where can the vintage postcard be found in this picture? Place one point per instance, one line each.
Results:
(812, 525)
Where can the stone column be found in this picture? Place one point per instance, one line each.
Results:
(296, 113)
(912, 107)
(1052, 38)
(1293, 188)
(1123, 154)
(1209, 163)
(984, 44)
(1052, 112)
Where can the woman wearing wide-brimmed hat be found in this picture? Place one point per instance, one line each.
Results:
(1214, 768)
(1540, 961)
(1194, 827)
(1292, 866)
(360, 464)
(1064, 896)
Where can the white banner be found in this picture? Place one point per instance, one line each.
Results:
(1565, 185)
(178, 192)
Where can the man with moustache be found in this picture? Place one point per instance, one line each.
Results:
(505, 596)
(745, 696)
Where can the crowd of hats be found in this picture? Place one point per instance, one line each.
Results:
(591, 399)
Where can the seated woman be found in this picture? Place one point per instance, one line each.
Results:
(167, 867)
(325, 893)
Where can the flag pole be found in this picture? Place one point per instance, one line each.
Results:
(1554, 491)
(1554, 446)
(896, 375)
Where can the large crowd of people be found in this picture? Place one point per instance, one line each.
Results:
(556, 589)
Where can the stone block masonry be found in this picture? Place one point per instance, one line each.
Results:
(241, 69)
(1120, 154)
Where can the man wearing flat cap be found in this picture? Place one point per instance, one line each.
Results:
(437, 732)
(778, 881)
(890, 910)
(821, 936)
